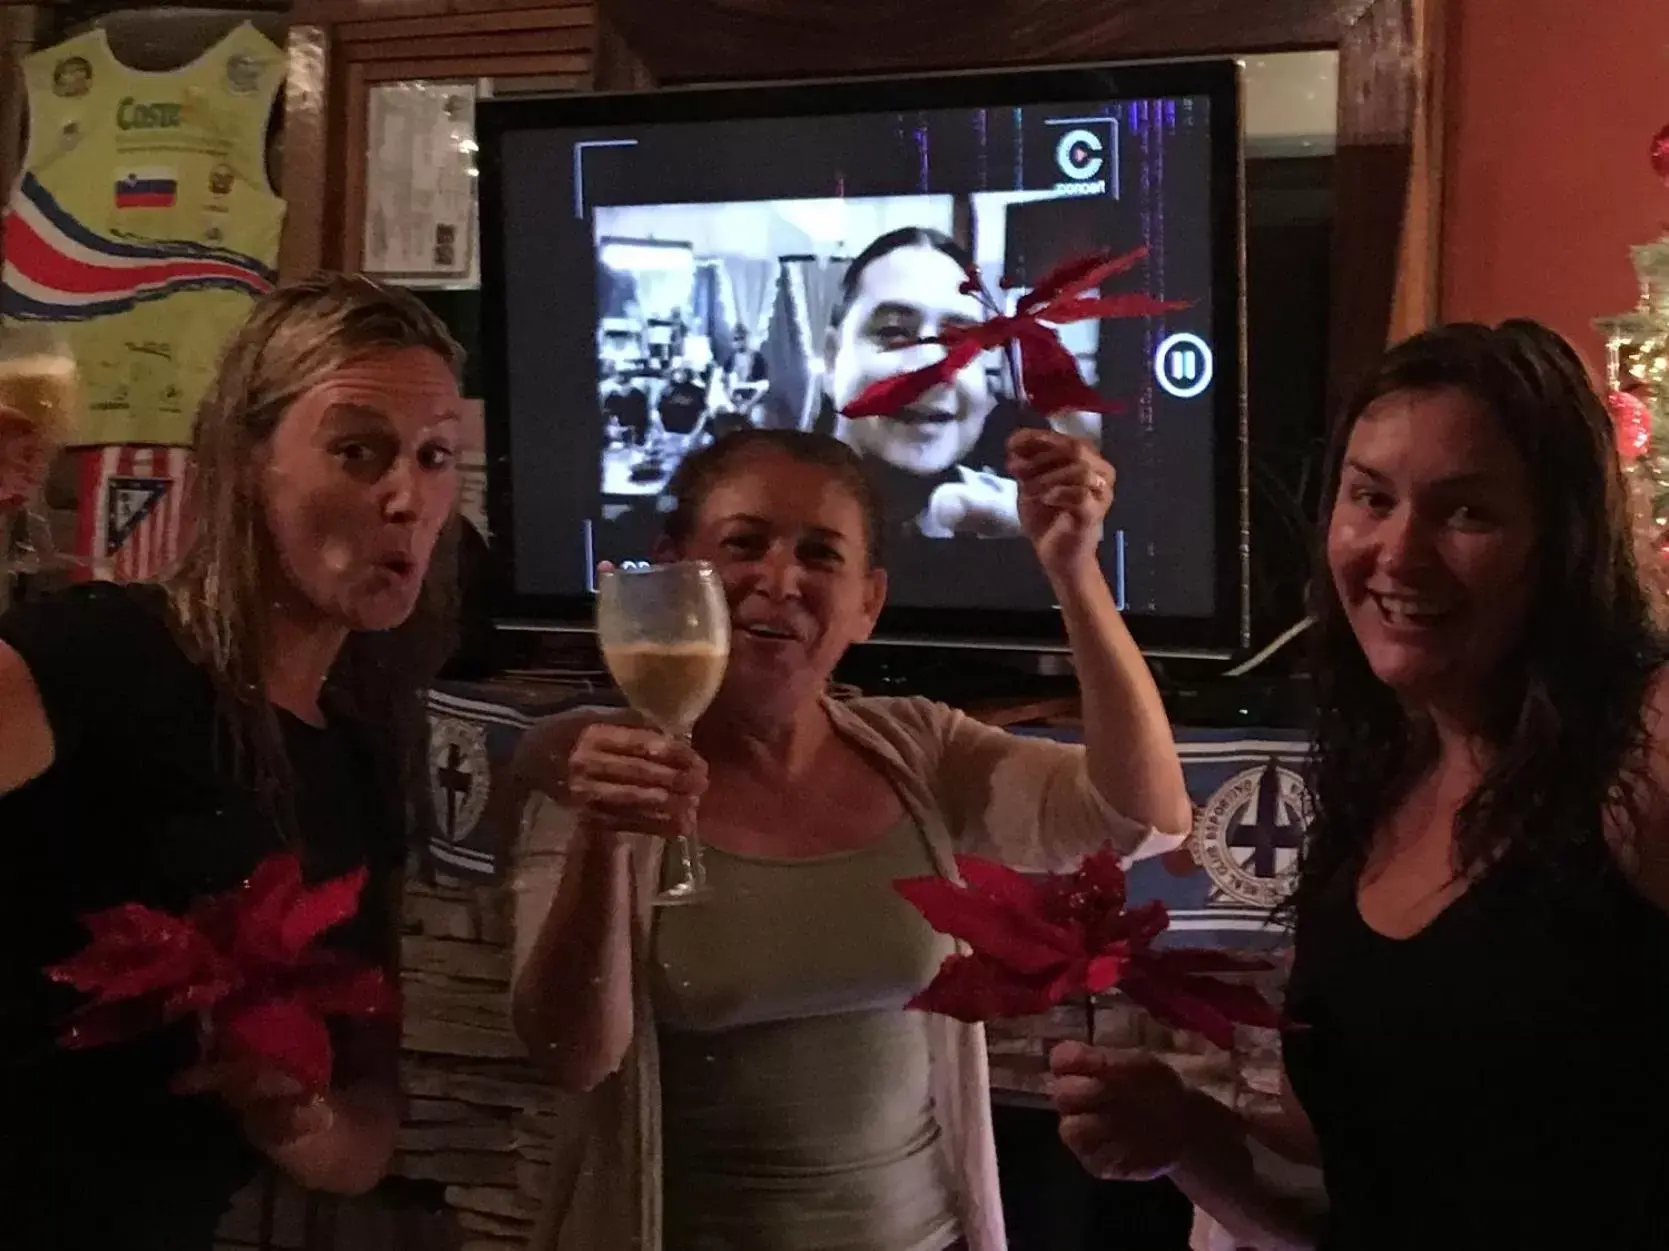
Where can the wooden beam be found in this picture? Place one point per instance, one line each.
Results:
(330, 12)
(355, 126)
(499, 6)
(615, 66)
(307, 152)
(18, 24)
(1420, 273)
(453, 25)
(741, 39)
(520, 43)
(439, 65)
(1387, 187)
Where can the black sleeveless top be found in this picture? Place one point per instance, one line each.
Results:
(1498, 1080)
(140, 805)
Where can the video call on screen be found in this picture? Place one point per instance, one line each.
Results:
(666, 284)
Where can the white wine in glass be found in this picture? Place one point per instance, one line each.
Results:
(665, 635)
(40, 405)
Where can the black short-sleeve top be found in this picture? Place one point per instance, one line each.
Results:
(145, 802)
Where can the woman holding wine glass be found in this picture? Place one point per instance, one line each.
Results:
(754, 1079)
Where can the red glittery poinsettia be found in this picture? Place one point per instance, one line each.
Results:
(1038, 941)
(1046, 374)
(246, 964)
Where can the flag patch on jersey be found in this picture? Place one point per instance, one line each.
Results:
(148, 188)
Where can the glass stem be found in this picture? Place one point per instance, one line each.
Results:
(692, 877)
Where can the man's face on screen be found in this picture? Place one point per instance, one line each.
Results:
(910, 293)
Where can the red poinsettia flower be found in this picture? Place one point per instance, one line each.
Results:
(1037, 942)
(246, 963)
(1049, 379)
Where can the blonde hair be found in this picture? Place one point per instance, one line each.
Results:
(221, 591)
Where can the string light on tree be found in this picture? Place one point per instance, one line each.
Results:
(1637, 382)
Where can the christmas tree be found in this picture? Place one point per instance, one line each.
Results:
(1637, 381)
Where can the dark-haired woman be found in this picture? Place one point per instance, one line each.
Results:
(1481, 983)
(938, 463)
(754, 1082)
(157, 741)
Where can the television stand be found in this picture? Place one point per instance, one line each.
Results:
(962, 679)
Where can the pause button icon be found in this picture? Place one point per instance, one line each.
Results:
(1183, 366)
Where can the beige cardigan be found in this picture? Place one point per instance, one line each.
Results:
(971, 788)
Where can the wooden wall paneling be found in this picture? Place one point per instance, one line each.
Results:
(742, 39)
(18, 26)
(1387, 188)
(307, 181)
(509, 43)
(350, 226)
(441, 65)
(614, 66)
(498, 6)
(362, 75)
(580, 16)
(351, 45)
(1419, 293)
(330, 12)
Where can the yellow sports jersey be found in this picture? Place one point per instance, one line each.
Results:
(144, 222)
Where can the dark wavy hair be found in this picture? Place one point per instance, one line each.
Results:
(885, 245)
(1565, 713)
(705, 469)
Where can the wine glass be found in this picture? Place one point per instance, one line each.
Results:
(40, 403)
(665, 636)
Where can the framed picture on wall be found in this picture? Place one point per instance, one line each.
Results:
(420, 217)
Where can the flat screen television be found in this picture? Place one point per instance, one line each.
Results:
(659, 268)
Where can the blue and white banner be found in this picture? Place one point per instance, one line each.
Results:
(1251, 809)
(473, 732)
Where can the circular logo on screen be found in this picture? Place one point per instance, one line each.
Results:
(459, 774)
(1249, 832)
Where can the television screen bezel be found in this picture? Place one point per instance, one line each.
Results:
(1223, 633)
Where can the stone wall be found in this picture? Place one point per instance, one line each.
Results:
(478, 1114)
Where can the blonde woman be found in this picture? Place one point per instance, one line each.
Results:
(157, 741)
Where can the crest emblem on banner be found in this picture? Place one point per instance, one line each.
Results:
(459, 774)
(1248, 834)
(129, 503)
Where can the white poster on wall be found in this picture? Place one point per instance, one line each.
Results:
(420, 217)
